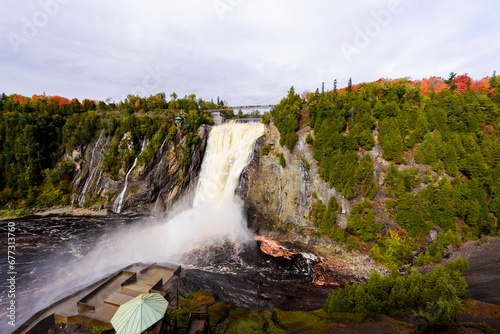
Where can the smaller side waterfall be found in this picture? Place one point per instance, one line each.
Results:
(91, 175)
(118, 205)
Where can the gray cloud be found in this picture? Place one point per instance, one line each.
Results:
(246, 52)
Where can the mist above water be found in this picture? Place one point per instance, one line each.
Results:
(192, 231)
(214, 217)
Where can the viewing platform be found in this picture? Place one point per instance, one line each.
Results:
(96, 304)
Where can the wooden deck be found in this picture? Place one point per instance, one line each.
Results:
(97, 304)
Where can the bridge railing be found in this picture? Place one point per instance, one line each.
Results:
(241, 107)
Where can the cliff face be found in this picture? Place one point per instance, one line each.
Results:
(160, 182)
(278, 199)
(153, 185)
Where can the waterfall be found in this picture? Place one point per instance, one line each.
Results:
(216, 215)
(118, 204)
(192, 232)
(228, 151)
(92, 172)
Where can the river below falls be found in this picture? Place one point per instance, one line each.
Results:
(46, 254)
(57, 255)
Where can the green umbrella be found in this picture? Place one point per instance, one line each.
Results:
(139, 314)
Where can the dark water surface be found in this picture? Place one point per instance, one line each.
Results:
(56, 256)
(47, 251)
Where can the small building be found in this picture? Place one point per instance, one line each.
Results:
(218, 117)
(179, 120)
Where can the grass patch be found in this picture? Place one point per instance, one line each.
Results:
(305, 322)
(480, 309)
(218, 313)
(197, 300)
(243, 321)
(182, 316)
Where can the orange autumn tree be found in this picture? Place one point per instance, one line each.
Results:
(19, 99)
(462, 82)
(482, 85)
(432, 84)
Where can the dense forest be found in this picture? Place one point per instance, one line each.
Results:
(442, 139)
(38, 133)
(439, 140)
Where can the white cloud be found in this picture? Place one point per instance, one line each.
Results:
(251, 53)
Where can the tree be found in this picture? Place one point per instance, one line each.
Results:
(393, 147)
(431, 150)
(364, 176)
(493, 80)
(450, 79)
(408, 215)
(282, 161)
(362, 221)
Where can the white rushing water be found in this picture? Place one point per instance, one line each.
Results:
(92, 172)
(229, 149)
(118, 204)
(215, 216)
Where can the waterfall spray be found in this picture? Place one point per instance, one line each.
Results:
(197, 232)
(214, 217)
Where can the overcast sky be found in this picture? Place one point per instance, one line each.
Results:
(245, 51)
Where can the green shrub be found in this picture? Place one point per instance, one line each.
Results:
(338, 234)
(307, 165)
(265, 150)
(351, 243)
(435, 249)
(309, 139)
(436, 296)
(282, 161)
(486, 328)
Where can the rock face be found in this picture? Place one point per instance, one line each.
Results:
(160, 182)
(153, 186)
(278, 199)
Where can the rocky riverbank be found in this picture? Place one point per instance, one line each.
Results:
(55, 211)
